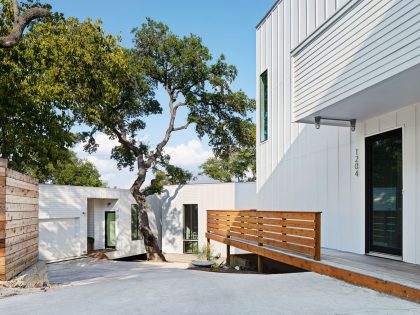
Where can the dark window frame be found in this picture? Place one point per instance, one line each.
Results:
(264, 106)
(135, 223)
(190, 242)
(369, 247)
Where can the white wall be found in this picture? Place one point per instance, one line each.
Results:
(64, 223)
(226, 196)
(301, 168)
(363, 45)
(91, 218)
(100, 207)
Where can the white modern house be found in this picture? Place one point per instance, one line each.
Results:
(184, 212)
(338, 100)
(72, 218)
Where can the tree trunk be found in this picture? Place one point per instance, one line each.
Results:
(150, 240)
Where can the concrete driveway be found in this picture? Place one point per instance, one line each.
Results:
(110, 287)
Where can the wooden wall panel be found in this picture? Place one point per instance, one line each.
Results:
(19, 226)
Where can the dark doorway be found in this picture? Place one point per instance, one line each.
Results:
(384, 205)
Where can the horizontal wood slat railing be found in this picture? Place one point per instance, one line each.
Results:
(299, 232)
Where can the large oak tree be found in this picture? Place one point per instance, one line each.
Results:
(194, 82)
(57, 66)
(15, 19)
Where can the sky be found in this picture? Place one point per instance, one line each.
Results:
(226, 27)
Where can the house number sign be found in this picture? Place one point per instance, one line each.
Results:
(356, 163)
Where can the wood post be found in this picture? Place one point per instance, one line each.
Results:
(228, 255)
(260, 259)
(260, 264)
(208, 249)
(317, 255)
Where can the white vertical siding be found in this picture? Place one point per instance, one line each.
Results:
(370, 42)
(289, 23)
(330, 7)
(320, 10)
(312, 16)
(91, 218)
(64, 212)
(227, 196)
(314, 169)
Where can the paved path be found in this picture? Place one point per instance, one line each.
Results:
(110, 287)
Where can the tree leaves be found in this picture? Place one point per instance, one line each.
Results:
(60, 71)
(239, 165)
(73, 171)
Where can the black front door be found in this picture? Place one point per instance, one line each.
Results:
(384, 193)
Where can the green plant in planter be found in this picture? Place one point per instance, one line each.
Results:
(218, 266)
(206, 253)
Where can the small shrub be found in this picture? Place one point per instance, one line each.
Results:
(205, 252)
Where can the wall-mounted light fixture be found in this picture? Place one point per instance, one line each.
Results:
(318, 122)
(335, 122)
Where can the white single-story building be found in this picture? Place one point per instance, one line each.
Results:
(184, 217)
(73, 218)
(338, 114)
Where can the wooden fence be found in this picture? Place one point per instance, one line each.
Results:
(19, 227)
(250, 230)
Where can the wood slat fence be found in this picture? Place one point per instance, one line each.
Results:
(19, 228)
(298, 232)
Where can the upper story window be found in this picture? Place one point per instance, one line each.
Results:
(264, 106)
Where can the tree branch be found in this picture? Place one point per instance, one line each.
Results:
(159, 148)
(148, 191)
(180, 104)
(15, 10)
(181, 127)
(20, 22)
(123, 140)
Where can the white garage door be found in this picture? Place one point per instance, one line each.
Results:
(59, 238)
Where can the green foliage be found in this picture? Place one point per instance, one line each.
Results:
(238, 166)
(205, 253)
(171, 175)
(190, 75)
(6, 16)
(60, 66)
(177, 176)
(74, 171)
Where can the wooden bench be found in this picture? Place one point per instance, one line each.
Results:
(263, 232)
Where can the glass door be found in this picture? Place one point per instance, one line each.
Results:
(110, 235)
(191, 229)
(384, 193)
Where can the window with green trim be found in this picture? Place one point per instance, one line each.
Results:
(264, 106)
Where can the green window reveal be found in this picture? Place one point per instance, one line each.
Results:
(110, 233)
(264, 106)
(135, 223)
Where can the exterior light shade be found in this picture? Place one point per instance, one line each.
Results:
(318, 122)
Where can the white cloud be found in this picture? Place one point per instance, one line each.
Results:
(190, 154)
(105, 165)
